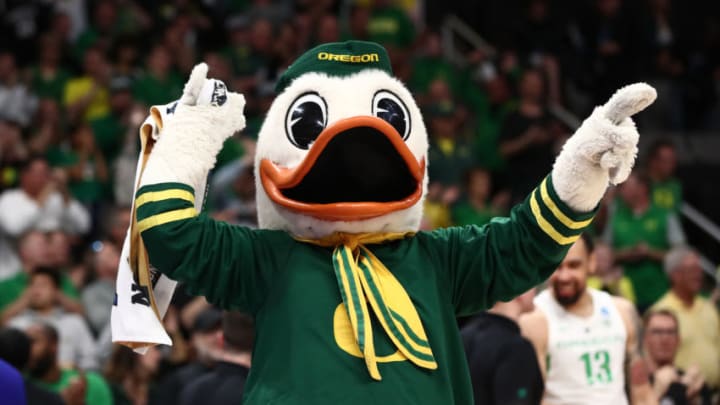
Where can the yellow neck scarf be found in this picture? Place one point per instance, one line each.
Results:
(363, 279)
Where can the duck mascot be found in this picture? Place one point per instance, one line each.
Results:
(352, 304)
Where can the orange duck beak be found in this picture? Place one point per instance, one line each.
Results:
(358, 168)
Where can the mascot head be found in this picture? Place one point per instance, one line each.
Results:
(343, 147)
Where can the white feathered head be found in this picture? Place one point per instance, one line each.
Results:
(343, 147)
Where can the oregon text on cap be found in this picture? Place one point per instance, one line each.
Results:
(365, 58)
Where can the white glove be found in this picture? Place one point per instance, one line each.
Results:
(192, 131)
(602, 150)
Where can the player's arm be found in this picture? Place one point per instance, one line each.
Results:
(535, 329)
(636, 372)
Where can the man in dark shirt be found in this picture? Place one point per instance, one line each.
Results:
(528, 137)
(224, 385)
(15, 350)
(503, 364)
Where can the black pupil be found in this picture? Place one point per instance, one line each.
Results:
(390, 111)
(308, 122)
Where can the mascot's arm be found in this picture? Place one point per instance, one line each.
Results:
(521, 251)
(214, 259)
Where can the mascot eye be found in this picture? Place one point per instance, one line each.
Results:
(388, 107)
(305, 119)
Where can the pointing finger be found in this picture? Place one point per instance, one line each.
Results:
(628, 101)
(194, 84)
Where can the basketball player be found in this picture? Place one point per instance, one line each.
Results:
(585, 339)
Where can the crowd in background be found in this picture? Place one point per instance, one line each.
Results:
(77, 78)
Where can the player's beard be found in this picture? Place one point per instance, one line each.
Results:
(566, 300)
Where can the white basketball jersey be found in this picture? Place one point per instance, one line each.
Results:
(585, 355)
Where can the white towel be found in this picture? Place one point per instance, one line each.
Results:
(134, 323)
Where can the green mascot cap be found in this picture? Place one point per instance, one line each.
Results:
(337, 59)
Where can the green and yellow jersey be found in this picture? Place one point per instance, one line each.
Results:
(305, 351)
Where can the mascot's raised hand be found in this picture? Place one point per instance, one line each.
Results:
(602, 150)
(194, 129)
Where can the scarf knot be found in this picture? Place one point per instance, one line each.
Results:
(363, 280)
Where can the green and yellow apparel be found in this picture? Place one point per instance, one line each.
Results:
(98, 392)
(79, 87)
(151, 90)
(622, 287)
(464, 213)
(49, 86)
(318, 340)
(13, 287)
(653, 227)
(667, 194)
(391, 26)
(109, 134)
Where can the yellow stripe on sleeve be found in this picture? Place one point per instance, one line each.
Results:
(557, 212)
(153, 196)
(165, 217)
(547, 227)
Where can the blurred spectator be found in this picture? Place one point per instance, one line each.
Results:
(42, 202)
(431, 65)
(477, 208)
(609, 276)
(328, 29)
(357, 24)
(77, 387)
(436, 210)
(118, 225)
(74, 18)
(180, 39)
(490, 102)
(131, 376)
(232, 194)
(660, 344)
(20, 24)
(503, 366)
(449, 151)
(226, 382)
(47, 137)
(528, 138)
(48, 78)
(58, 250)
(125, 55)
(34, 252)
(665, 48)
(13, 152)
(17, 102)
(42, 302)
(98, 296)
(610, 38)
(661, 165)
(88, 171)
(641, 234)
(239, 54)
(101, 32)
(109, 130)
(586, 340)
(15, 350)
(206, 337)
(86, 97)
(540, 35)
(698, 317)
(390, 25)
(160, 84)
(275, 12)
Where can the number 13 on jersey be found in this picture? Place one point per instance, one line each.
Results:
(597, 367)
